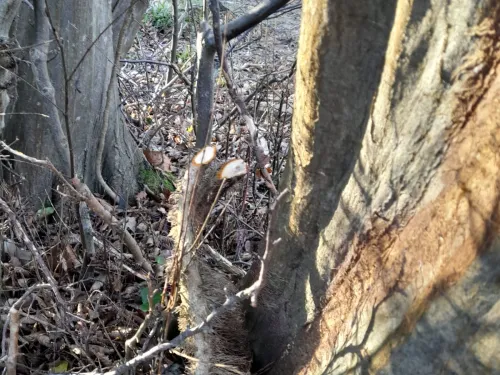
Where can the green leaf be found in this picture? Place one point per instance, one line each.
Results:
(144, 294)
(156, 298)
(144, 297)
(61, 367)
(160, 260)
(44, 212)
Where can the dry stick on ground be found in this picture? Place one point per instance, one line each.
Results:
(259, 144)
(12, 322)
(251, 292)
(131, 343)
(87, 238)
(107, 108)
(99, 209)
(83, 193)
(226, 264)
(220, 365)
(174, 67)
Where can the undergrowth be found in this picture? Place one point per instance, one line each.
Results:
(159, 15)
(157, 181)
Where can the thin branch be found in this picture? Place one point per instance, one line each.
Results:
(107, 107)
(259, 144)
(75, 69)
(87, 237)
(175, 37)
(253, 17)
(66, 91)
(226, 264)
(131, 343)
(43, 163)
(285, 10)
(259, 284)
(264, 83)
(26, 47)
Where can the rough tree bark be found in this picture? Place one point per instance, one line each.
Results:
(389, 251)
(79, 24)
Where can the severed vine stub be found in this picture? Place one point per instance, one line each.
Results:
(196, 286)
(232, 168)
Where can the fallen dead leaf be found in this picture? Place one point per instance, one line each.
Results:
(158, 159)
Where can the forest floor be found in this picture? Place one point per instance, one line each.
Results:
(111, 301)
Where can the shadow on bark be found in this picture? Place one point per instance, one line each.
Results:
(351, 60)
(457, 329)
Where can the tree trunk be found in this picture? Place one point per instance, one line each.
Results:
(79, 24)
(389, 252)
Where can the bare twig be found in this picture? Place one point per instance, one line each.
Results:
(87, 238)
(43, 163)
(12, 322)
(173, 66)
(21, 236)
(107, 107)
(131, 343)
(175, 37)
(259, 144)
(226, 264)
(81, 191)
(259, 284)
(259, 87)
(66, 91)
